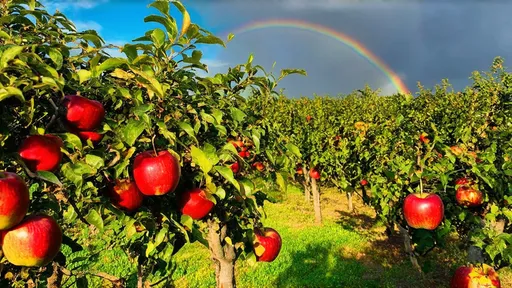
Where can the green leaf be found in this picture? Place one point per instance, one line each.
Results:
(227, 173)
(84, 75)
(94, 218)
(95, 161)
(248, 186)
(188, 129)
(109, 64)
(121, 74)
(230, 37)
(286, 72)
(162, 6)
(4, 35)
(294, 149)
(131, 131)
(281, 181)
(49, 176)
(221, 193)
(209, 39)
(158, 37)
(237, 114)
(56, 57)
(200, 159)
(169, 25)
(9, 54)
(71, 139)
(6, 92)
(186, 17)
(160, 236)
(187, 221)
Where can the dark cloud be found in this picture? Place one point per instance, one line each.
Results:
(422, 42)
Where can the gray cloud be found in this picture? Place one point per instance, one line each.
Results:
(422, 42)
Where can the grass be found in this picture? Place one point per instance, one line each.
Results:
(347, 250)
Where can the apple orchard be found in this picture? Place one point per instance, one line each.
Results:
(143, 154)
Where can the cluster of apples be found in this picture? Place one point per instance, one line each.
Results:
(313, 172)
(157, 174)
(267, 243)
(426, 211)
(243, 152)
(31, 241)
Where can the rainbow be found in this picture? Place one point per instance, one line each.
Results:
(354, 44)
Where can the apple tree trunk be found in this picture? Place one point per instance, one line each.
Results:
(222, 254)
(408, 248)
(307, 186)
(316, 201)
(350, 201)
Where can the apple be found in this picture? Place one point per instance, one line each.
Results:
(456, 150)
(156, 174)
(313, 173)
(237, 144)
(244, 154)
(195, 204)
(423, 210)
(95, 137)
(423, 138)
(469, 197)
(475, 277)
(308, 118)
(41, 152)
(364, 182)
(235, 167)
(463, 181)
(82, 113)
(32, 243)
(299, 170)
(14, 200)
(267, 244)
(126, 195)
(259, 166)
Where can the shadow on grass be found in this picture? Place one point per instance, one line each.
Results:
(322, 266)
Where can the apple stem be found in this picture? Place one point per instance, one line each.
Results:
(421, 186)
(153, 143)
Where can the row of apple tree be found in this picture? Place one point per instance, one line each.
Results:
(455, 146)
(137, 153)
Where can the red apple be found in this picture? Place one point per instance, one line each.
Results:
(259, 166)
(308, 118)
(82, 113)
(313, 173)
(34, 242)
(237, 144)
(469, 197)
(14, 200)
(41, 152)
(244, 154)
(423, 138)
(235, 167)
(456, 150)
(195, 204)
(95, 137)
(126, 195)
(156, 174)
(423, 211)
(364, 182)
(299, 170)
(267, 244)
(464, 181)
(475, 277)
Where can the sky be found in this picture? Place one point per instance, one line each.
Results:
(418, 41)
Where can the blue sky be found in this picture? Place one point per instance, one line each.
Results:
(420, 41)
